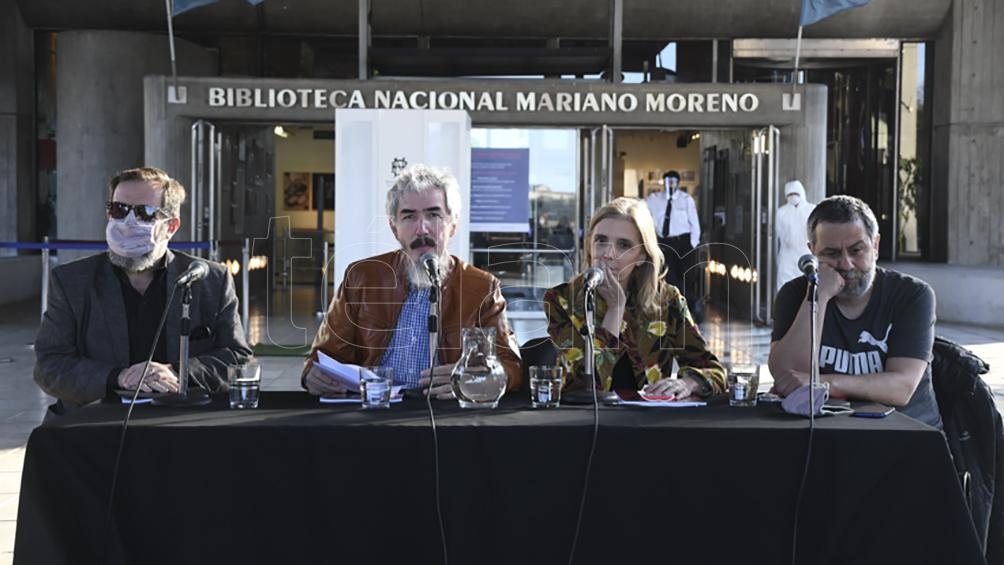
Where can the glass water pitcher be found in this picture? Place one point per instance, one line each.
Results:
(478, 378)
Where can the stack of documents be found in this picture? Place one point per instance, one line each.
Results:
(347, 376)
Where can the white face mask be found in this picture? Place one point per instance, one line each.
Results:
(794, 199)
(130, 238)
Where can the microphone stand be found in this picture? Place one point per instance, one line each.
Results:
(814, 385)
(591, 395)
(813, 338)
(435, 311)
(185, 334)
(183, 398)
(434, 314)
(588, 331)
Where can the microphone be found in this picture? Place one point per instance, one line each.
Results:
(430, 262)
(809, 266)
(593, 278)
(195, 272)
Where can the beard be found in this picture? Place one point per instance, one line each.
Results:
(856, 282)
(141, 263)
(418, 278)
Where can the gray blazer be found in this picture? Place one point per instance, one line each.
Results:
(84, 333)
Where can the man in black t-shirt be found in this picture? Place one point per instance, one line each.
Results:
(876, 325)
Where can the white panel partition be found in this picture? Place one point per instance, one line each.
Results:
(371, 146)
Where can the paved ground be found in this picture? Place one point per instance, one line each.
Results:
(289, 320)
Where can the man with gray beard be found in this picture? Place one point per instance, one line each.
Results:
(876, 327)
(379, 315)
(102, 311)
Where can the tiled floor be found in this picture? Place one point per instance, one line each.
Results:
(290, 320)
(11, 461)
(22, 405)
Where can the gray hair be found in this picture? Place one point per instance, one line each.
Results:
(841, 209)
(419, 178)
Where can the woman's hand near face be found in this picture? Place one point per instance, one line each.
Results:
(612, 293)
(611, 290)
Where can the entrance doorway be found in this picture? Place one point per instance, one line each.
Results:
(732, 176)
(274, 184)
(266, 190)
(861, 130)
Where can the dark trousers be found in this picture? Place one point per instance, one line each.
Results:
(676, 251)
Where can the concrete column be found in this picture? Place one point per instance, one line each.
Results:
(101, 117)
(803, 146)
(967, 175)
(17, 104)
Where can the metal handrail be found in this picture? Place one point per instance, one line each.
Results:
(89, 244)
(518, 249)
(45, 246)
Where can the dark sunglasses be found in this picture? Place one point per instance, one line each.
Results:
(144, 212)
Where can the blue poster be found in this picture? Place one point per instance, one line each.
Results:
(500, 190)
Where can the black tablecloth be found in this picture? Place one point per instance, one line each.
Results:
(298, 482)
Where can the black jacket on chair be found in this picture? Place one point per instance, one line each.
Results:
(975, 435)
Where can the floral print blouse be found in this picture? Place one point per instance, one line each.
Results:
(651, 343)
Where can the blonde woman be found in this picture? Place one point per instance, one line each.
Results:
(642, 323)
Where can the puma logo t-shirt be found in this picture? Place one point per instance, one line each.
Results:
(897, 322)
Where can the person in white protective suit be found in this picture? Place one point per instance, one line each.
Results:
(790, 229)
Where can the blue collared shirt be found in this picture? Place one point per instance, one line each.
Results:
(408, 351)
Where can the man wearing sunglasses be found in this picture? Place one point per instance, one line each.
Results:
(102, 311)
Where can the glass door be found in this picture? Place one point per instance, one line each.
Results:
(763, 202)
(242, 221)
(597, 170)
(204, 187)
(538, 171)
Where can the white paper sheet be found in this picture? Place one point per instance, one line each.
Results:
(345, 374)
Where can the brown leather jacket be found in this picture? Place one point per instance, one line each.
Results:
(362, 317)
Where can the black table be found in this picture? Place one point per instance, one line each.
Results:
(297, 482)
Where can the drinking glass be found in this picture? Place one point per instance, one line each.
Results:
(375, 384)
(244, 382)
(744, 379)
(545, 386)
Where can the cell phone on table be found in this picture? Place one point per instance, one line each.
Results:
(873, 411)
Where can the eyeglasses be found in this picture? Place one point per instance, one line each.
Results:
(144, 212)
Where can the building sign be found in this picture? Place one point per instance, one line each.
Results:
(510, 103)
(519, 101)
(500, 190)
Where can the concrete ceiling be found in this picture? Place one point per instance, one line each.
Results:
(643, 19)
